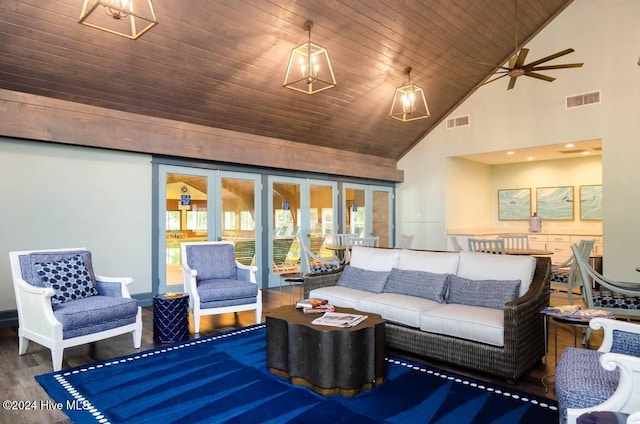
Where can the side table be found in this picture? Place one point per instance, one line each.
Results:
(170, 317)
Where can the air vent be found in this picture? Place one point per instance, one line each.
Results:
(583, 99)
(460, 121)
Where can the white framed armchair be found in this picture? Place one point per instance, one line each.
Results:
(216, 282)
(604, 380)
(62, 303)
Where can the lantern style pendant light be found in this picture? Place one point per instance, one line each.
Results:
(309, 70)
(409, 102)
(127, 18)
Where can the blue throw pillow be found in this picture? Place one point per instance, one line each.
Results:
(626, 343)
(487, 293)
(68, 278)
(363, 279)
(417, 283)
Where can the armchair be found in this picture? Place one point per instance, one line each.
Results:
(216, 282)
(604, 380)
(62, 303)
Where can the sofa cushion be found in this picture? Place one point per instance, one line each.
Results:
(625, 342)
(399, 308)
(212, 260)
(363, 279)
(68, 277)
(438, 262)
(342, 297)
(484, 325)
(374, 258)
(417, 283)
(486, 293)
(487, 266)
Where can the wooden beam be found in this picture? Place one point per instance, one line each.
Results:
(46, 119)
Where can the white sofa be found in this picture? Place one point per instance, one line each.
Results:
(475, 310)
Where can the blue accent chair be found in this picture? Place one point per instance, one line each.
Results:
(78, 307)
(607, 379)
(216, 282)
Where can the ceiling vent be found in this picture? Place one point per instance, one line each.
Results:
(460, 121)
(583, 99)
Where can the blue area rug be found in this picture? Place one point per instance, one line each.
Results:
(224, 378)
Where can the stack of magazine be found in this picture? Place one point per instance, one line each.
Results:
(315, 306)
(575, 312)
(339, 319)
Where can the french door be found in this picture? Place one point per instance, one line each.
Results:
(368, 212)
(300, 208)
(205, 205)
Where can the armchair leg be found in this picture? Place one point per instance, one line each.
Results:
(137, 338)
(56, 358)
(258, 315)
(196, 323)
(23, 344)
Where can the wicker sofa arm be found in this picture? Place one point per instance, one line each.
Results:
(324, 279)
(523, 322)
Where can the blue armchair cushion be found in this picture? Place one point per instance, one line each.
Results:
(626, 342)
(212, 261)
(221, 289)
(487, 293)
(423, 284)
(27, 263)
(68, 278)
(609, 299)
(93, 314)
(363, 279)
(581, 381)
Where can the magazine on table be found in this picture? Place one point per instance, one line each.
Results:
(319, 309)
(311, 302)
(339, 319)
(577, 312)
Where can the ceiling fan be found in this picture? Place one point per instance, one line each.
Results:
(517, 68)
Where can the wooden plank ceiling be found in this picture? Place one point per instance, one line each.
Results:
(221, 63)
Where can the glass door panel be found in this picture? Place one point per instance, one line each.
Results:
(321, 218)
(368, 212)
(239, 217)
(381, 216)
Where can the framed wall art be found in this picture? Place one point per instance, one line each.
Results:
(555, 203)
(591, 202)
(514, 204)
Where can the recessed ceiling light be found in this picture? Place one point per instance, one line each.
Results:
(569, 145)
(586, 152)
(530, 158)
(511, 152)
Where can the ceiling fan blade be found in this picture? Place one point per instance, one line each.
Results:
(539, 76)
(492, 65)
(494, 79)
(549, 67)
(512, 83)
(522, 56)
(548, 58)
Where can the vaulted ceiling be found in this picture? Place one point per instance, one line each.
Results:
(221, 63)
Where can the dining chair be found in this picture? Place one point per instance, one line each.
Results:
(515, 241)
(406, 240)
(566, 281)
(365, 241)
(495, 246)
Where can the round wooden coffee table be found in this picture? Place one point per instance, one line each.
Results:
(328, 360)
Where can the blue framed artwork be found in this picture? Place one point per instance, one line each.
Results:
(514, 204)
(591, 202)
(555, 203)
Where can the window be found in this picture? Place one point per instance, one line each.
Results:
(197, 220)
(229, 220)
(246, 221)
(173, 221)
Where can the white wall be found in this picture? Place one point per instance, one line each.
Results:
(605, 37)
(57, 196)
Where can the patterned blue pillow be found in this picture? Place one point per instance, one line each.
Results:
(417, 283)
(626, 343)
(68, 278)
(363, 279)
(487, 293)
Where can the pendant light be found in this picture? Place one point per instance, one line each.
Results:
(409, 103)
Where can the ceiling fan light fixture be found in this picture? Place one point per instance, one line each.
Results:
(309, 70)
(127, 18)
(409, 102)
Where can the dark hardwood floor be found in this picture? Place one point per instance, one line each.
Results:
(18, 381)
